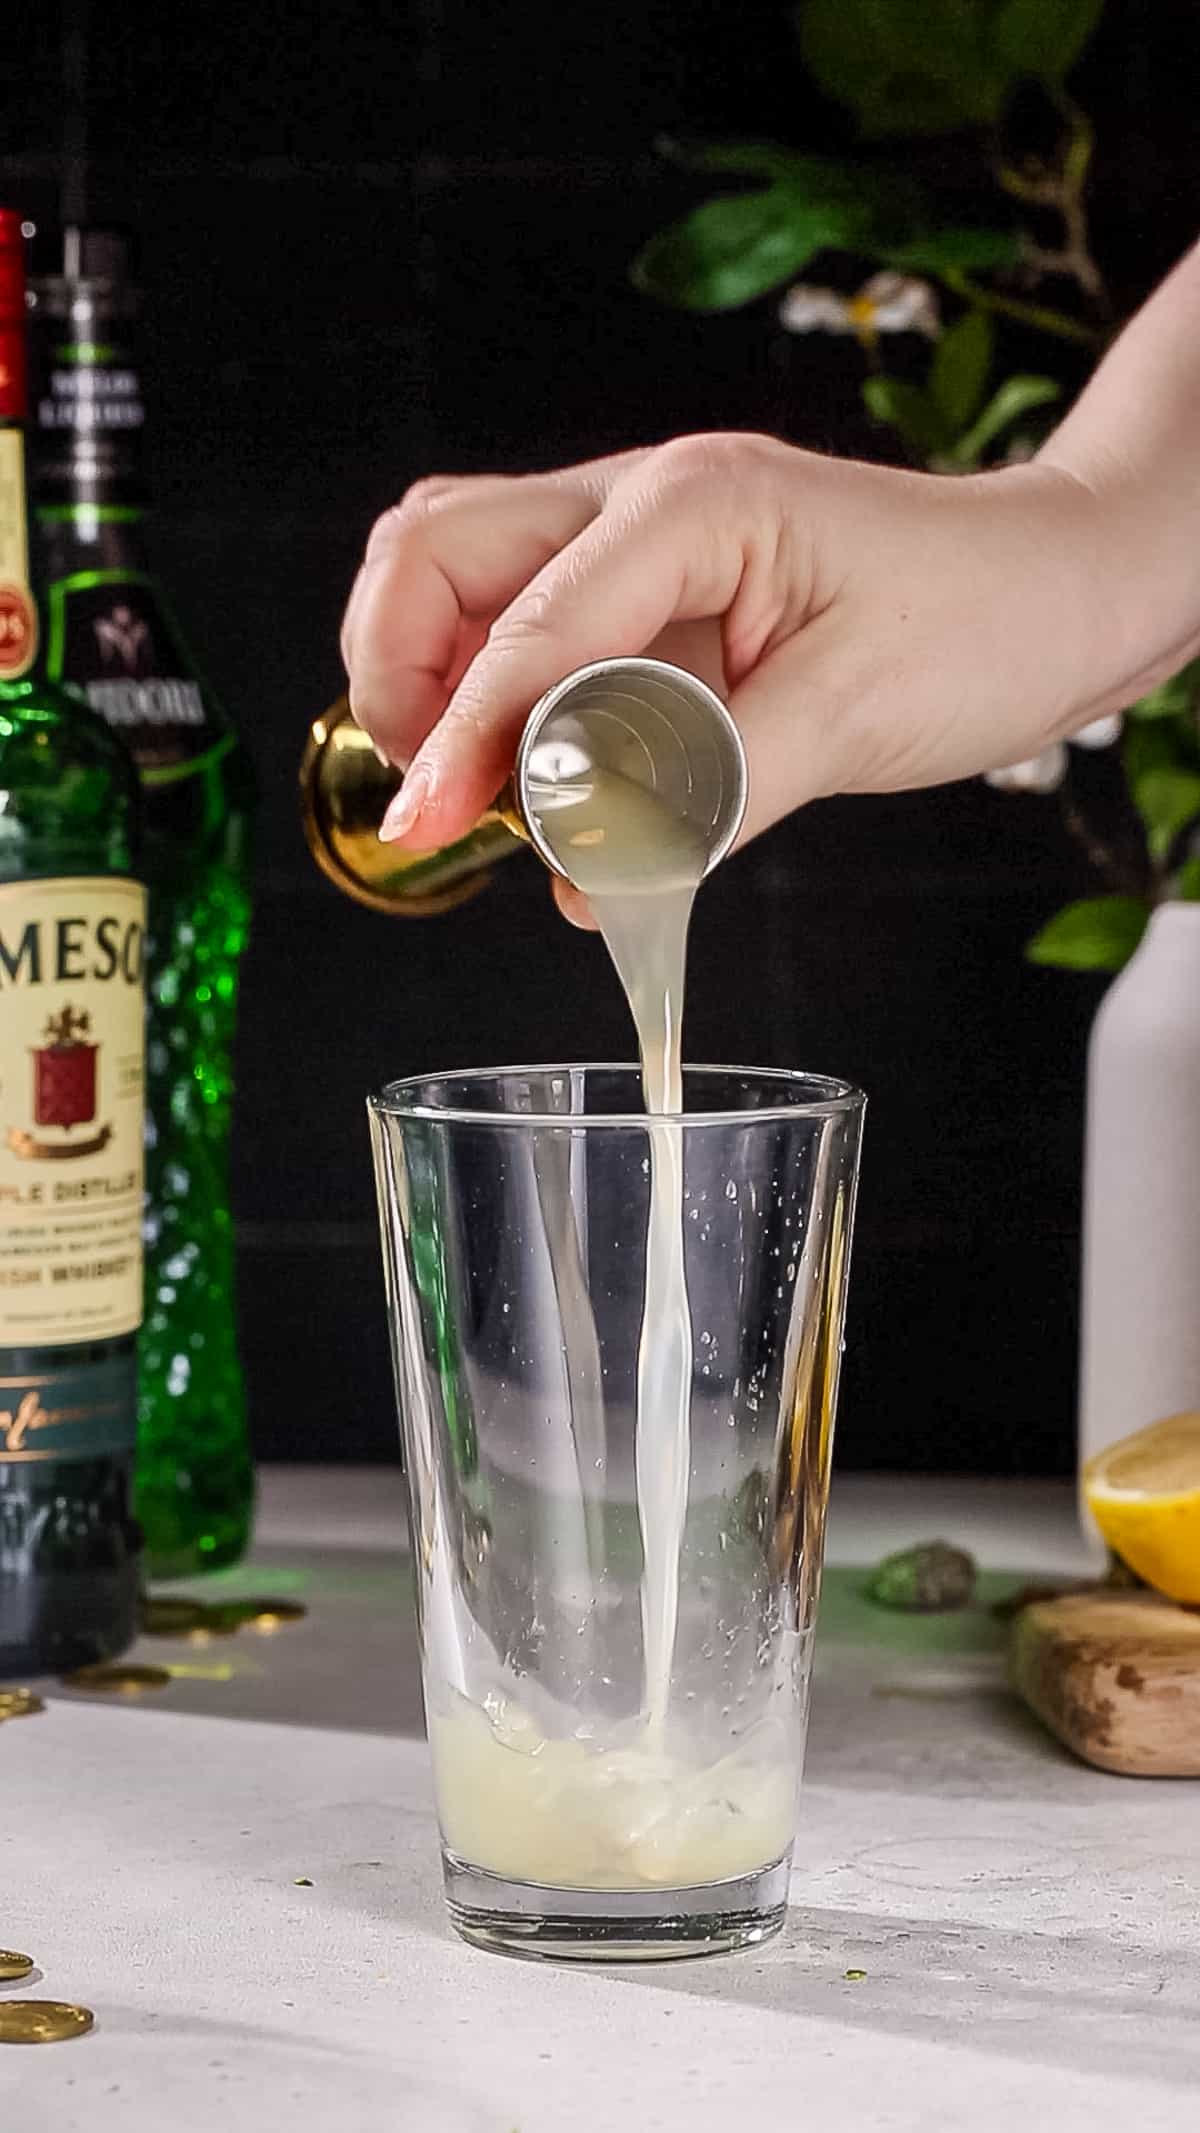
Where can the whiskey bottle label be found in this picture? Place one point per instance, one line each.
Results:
(72, 1044)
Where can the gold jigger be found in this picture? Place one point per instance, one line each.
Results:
(642, 718)
(345, 787)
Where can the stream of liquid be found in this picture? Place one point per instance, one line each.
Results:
(640, 867)
(648, 1809)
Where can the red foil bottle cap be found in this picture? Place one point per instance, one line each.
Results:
(13, 402)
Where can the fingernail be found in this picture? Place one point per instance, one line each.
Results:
(404, 810)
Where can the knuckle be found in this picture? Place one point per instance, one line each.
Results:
(423, 501)
(528, 621)
(710, 457)
(427, 495)
(688, 462)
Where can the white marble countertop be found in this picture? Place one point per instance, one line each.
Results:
(1028, 1927)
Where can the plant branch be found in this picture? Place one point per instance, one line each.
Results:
(1060, 188)
(1042, 316)
(1107, 863)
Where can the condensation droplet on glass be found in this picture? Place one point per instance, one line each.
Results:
(731, 1192)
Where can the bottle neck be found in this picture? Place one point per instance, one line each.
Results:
(87, 405)
(88, 478)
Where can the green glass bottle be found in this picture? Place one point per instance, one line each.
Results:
(72, 1014)
(111, 635)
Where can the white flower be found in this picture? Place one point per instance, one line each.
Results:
(1045, 772)
(888, 303)
(1038, 773)
(1099, 732)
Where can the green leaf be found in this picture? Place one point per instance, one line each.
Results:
(941, 251)
(1173, 698)
(1148, 744)
(1166, 800)
(1100, 933)
(906, 66)
(1186, 884)
(908, 409)
(732, 250)
(1044, 37)
(737, 247)
(958, 373)
(1016, 397)
(1162, 769)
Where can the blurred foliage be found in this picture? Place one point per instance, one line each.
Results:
(910, 67)
(739, 246)
(905, 72)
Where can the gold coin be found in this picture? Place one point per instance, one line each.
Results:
(19, 1703)
(118, 1680)
(272, 1614)
(13, 1965)
(42, 2021)
(165, 1616)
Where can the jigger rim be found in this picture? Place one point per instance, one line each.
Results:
(627, 668)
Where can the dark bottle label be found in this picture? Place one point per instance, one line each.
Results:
(87, 403)
(83, 1411)
(88, 390)
(111, 637)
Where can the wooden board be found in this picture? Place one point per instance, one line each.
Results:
(1116, 1676)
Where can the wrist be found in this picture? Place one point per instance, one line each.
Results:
(1135, 542)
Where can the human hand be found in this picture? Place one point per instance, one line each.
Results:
(872, 629)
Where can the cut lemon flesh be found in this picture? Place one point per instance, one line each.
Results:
(1144, 1494)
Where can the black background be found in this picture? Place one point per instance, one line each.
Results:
(384, 240)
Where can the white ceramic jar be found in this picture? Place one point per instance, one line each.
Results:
(1140, 1343)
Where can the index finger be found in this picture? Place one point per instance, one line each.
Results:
(438, 567)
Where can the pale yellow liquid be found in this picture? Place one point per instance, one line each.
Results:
(531, 1799)
(640, 867)
(569, 1814)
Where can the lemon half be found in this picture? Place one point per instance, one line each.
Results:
(1144, 1494)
